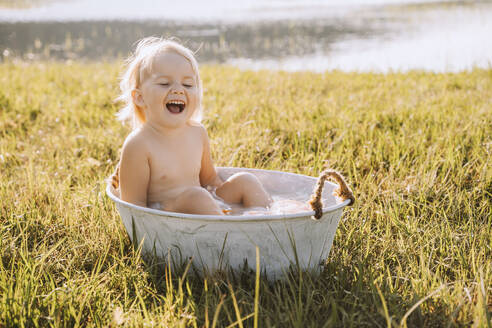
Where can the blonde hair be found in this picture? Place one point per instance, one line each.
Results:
(147, 49)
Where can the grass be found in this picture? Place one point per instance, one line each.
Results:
(22, 4)
(414, 251)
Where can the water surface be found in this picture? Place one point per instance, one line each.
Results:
(355, 35)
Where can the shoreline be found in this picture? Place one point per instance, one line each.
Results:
(438, 36)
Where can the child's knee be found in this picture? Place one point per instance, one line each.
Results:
(252, 191)
(245, 179)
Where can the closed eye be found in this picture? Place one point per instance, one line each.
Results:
(164, 84)
(187, 85)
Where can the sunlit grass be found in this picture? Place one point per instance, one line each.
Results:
(415, 148)
(22, 4)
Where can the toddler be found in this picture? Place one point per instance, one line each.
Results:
(165, 161)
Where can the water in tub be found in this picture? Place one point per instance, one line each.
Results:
(281, 204)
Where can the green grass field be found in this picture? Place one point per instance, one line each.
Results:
(415, 250)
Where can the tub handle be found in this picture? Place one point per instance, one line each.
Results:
(343, 191)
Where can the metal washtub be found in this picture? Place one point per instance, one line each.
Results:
(222, 242)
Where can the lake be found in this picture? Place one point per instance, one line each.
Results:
(292, 35)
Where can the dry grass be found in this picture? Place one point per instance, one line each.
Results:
(414, 251)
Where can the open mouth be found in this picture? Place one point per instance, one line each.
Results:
(175, 106)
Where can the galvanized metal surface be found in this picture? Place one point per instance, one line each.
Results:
(217, 242)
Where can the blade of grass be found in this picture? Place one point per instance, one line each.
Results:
(217, 311)
(403, 321)
(236, 307)
(257, 288)
(385, 308)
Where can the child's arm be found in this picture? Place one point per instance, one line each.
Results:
(134, 173)
(208, 174)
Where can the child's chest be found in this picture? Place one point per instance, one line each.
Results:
(176, 160)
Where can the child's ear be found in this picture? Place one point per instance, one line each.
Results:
(138, 98)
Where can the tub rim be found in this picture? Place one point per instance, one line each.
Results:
(235, 218)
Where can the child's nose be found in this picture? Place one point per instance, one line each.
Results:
(177, 92)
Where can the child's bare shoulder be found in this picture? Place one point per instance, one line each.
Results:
(199, 129)
(135, 143)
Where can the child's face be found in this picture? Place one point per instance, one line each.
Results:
(169, 91)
